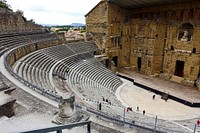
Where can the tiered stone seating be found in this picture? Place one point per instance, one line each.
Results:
(74, 63)
(79, 47)
(59, 52)
(3, 85)
(35, 69)
(9, 41)
(93, 78)
(86, 73)
(63, 67)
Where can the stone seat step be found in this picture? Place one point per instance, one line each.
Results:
(5, 87)
(176, 79)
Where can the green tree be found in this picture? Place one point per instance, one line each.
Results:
(3, 4)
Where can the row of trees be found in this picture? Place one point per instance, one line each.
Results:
(66, 28)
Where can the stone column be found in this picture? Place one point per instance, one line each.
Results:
(67, 110)
(66, 106)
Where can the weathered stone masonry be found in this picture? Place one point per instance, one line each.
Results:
(162, 39)
(13, 21)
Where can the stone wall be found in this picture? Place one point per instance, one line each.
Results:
(14, 21)
(97, 23)
(147, 40)
(19, 52)
(154, 40)
(117, 32)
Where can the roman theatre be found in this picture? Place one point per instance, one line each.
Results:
(136, 70)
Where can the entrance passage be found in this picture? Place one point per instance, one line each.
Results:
(108, 64)
(139, 63)
(115, 59)
(179, 68)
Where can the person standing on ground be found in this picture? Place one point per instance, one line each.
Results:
(99, 106)
(137, 108)
(143, 112)
(154, 97)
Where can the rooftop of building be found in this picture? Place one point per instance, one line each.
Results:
(131, 4)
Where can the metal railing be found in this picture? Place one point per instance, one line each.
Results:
(134, 119)
(145, 122)
(59, 129)
(38, 89)
(128, 122)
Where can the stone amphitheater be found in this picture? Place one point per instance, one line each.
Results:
(46, 81)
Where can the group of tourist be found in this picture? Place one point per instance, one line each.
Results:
(137, 108)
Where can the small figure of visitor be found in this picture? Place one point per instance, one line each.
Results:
(198, 122)
(106, 100)
(100, 106)
(103, 99)
(154, 97)
(129, 109)
(166, 99)
(143, 112)
(137, 108)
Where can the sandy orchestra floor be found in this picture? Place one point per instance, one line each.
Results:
(134, 96)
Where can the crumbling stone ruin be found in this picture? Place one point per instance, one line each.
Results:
(7, 105)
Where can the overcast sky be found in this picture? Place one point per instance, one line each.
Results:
(59, 12)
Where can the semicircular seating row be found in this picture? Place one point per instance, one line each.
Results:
(9, 41)
(75, 63)
(13, 39)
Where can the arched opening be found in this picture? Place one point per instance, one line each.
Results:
(185, 32)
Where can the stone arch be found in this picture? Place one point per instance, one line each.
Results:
(185, 32)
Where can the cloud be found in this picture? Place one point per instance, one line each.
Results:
(54, 12)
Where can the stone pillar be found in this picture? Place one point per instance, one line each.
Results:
(66, 106)
(67, 110)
